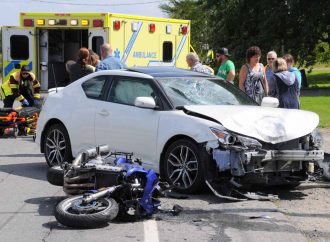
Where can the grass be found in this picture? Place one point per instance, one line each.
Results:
(319, 105)
(319, 78)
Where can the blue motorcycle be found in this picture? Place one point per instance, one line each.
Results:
(132, 192)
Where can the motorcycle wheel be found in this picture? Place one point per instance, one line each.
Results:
(55, 176)
(71, 213)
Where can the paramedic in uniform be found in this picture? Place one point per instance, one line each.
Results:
(22, 85)
(108, 61)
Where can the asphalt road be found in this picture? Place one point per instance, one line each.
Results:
(27, 203)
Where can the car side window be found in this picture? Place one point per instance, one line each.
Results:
(125, 90)
(93, 87)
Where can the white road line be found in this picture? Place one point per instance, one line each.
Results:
(150, 231)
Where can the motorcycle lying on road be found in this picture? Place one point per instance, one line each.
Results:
(112, 186)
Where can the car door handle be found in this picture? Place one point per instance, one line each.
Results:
(104, 113)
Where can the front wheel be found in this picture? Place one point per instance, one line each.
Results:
(73, 213)
(183, 166)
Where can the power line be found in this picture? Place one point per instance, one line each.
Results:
(97, 4)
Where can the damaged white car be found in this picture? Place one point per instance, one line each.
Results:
(188, 126)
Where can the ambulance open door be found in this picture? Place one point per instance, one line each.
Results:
(18, 49)
(97, 37)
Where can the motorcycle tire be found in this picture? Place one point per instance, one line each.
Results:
(66, 215)
(55, 176)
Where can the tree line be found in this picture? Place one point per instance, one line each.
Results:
(298, 27)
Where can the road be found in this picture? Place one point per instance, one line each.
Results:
(27, 202)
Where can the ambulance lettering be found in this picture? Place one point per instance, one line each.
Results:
(142, 54)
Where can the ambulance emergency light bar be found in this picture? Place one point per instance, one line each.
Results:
(63, 22)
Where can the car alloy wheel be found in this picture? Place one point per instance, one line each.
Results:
(182, 166)
(57, 146)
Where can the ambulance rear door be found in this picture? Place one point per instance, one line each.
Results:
(18, 49)
(97, 37)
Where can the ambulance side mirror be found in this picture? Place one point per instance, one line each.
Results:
(18, 66)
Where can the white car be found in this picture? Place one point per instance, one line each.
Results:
(185, 125)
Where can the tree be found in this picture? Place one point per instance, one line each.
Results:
(194, 11)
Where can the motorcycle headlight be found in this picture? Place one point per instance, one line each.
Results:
(249, 142)
(223, 136)
(316, 138)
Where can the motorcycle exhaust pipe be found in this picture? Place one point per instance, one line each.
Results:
(99, 194)
(89, 154)
(97, 151)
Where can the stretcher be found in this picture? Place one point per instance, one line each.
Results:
(18, 122)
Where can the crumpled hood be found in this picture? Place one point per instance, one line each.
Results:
(287, 77)
(271, 125)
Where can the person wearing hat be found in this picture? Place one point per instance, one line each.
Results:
(23, 86)
(227, 68)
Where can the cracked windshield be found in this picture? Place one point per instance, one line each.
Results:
(202, 91)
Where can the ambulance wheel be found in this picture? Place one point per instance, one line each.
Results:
(57, 145)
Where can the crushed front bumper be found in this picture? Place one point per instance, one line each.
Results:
(261, 161)
(287, 155)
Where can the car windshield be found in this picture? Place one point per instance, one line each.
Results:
(203, 91)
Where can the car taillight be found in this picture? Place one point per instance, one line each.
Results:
(28, 22)
(97, 23)
(152, 28)
(116, 25)
(184, 30)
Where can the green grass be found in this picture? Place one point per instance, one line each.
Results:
(319, 105)
(319, 78)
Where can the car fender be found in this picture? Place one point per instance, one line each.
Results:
(173, 123)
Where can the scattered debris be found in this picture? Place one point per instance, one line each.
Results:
(263, 216)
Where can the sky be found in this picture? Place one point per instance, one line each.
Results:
(10, 9)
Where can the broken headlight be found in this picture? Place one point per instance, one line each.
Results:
(249, 142)
(223, 136)
(316, 138)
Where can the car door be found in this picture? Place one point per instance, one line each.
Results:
(125, 127)
(82, 119)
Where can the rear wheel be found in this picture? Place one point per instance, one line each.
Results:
(72, 212)
(57, 145)
(55, 176)
(182, 166)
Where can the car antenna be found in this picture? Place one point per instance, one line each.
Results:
(54, 77)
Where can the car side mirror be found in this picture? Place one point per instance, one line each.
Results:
(145, 102)
(270, 102)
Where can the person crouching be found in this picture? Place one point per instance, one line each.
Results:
(23, 86)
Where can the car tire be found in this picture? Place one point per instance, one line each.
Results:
(182, 166)
(55, 176)
(57, 145)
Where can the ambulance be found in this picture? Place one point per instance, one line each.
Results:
(46, 41)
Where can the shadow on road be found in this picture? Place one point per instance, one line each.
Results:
(35, 170)
(23, 155)
(46, 204)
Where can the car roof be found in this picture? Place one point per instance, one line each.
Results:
(168, 72)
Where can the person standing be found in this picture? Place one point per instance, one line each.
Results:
(108, 61)
(252, 77)
(227, 68)
(271, 57)
(93, 59)
(79, 68)
(290, 62)
(287, 85)
(194, 64)
(23, 86)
